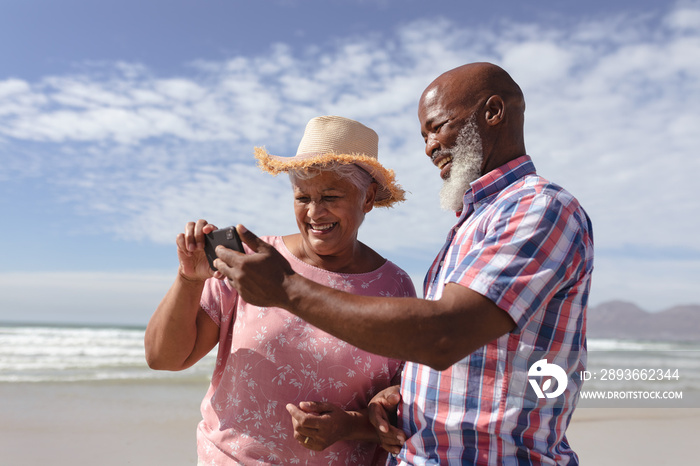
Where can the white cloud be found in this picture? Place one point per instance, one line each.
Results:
(612, 116)
(684, 18)
(12, 87)
(181, 90)
(539, 61)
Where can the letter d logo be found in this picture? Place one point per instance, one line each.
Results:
(543, 369)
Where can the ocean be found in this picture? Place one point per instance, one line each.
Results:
(639, 373)
(36, 353)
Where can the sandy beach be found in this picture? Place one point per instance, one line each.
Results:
(638, 436)
(99, 423)
(153, 423)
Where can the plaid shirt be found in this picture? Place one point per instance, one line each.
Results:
(527, 245)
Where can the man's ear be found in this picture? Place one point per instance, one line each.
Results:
(495, 110)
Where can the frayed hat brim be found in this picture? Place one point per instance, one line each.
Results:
(388, 193)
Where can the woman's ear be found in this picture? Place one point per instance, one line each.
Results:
(495, 110)
(370, 196)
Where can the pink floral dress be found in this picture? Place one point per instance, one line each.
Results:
(268, 357)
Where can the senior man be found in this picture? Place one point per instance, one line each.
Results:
(505, 297)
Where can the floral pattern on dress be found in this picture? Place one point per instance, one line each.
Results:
(269, 357)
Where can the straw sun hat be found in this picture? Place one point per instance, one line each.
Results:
(337, 139)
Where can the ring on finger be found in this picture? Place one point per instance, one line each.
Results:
(306, 440)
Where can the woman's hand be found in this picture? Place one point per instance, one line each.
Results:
(180, 333)
(190, 252)
(318, 425)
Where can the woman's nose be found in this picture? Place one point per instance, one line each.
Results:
(316, 210)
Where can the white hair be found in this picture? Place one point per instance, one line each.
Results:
(355, 174)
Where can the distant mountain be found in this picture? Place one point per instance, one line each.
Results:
(620, 319)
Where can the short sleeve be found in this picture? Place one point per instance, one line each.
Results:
(218, 300)
(387, 281)
(404, 284)
(532, 246)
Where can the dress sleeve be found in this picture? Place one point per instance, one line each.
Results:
(392, 281)
(533, 247)
(218, 300)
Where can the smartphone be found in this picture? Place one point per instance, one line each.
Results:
(227, 237)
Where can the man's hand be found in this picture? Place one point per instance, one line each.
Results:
(382, 413)
(260, 277)
(318, 425)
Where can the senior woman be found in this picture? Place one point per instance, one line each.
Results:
(270, 363)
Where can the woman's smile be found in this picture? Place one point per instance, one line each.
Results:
(322, 228)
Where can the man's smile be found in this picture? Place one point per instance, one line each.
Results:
(444, 163)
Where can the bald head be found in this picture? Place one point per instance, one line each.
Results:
(485, 92)
(474, 81)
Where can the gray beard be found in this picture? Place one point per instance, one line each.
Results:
(467, 158)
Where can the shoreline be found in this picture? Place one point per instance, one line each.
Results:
(153, 422)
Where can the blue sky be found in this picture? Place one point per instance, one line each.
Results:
(121, 121)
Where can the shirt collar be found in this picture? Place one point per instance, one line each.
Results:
(498, 179)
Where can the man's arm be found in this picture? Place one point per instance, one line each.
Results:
(435, 333)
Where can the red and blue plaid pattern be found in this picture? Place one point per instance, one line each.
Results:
(527, 245)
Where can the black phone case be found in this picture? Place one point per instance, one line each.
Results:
(227, 237)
